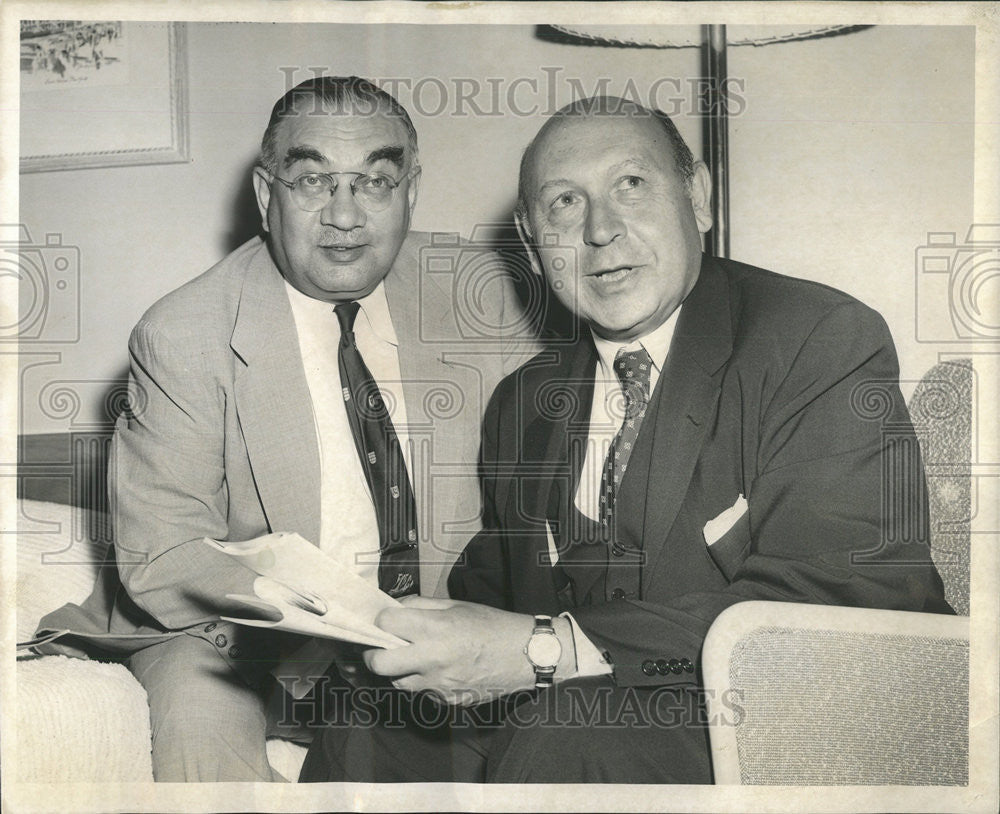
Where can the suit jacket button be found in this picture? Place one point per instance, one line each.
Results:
(221, 640)
(211, 626)
(234, 652)
(618, 550)
(687, 666)
(662, 667)
(618, 593)
(675, 666)
(649, 668)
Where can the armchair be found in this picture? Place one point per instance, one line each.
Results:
(831, 696)
(828, 695)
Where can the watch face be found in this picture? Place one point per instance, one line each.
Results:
(544, 650)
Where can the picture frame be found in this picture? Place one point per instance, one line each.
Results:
(102, 94)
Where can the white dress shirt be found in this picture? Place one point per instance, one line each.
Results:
(348, 522)
(607, 408)
(606, 414)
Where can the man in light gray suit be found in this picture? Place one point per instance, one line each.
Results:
(238, 425)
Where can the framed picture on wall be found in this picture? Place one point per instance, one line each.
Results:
(102, 94)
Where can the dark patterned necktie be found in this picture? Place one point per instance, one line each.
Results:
(632, 369)
(383, 463)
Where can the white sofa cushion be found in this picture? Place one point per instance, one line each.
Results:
(58, 550)
(80, 721)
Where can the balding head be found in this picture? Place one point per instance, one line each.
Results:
(612, 106)
(613, 206)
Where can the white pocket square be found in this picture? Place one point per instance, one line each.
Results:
(716, 528)
(553, 551)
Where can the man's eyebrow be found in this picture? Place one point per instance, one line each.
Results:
(556, 182)
(626, 163)
(303, 153)
(630, 162)
(394, 155)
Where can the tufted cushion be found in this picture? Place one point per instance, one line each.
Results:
(941, 409)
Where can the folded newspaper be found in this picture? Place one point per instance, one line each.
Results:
(304, 590)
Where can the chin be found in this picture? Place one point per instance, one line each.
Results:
(627, 327)
(344, 279)
(614, 333)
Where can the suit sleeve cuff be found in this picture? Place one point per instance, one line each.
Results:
(589, 660)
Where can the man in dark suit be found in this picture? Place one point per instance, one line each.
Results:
(706, 441)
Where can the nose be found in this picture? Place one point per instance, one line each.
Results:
(603, 223)
(342, 210)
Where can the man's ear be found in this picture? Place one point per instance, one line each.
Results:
(411, 191)
(524, 232)
(701, 196)
(262, 189)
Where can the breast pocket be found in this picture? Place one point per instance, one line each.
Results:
(730, 550)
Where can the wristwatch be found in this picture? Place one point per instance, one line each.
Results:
(543, 651)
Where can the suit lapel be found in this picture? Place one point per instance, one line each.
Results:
(689, 389)
(411, 306)
(563, 426)
(273, 403)
(416, 302)
(553, 446)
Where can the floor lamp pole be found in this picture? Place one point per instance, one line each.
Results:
(716, 135)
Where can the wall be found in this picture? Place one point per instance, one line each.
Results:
(847, 152)
(850, 151)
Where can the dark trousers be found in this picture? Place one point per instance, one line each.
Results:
(580, 731)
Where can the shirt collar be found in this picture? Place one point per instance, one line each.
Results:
(656, 343)
(374, 307)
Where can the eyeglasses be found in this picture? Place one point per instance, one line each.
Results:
(312, 191)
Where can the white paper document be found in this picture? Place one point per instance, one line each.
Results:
(304, 590)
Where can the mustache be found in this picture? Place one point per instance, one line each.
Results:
(334, 238)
